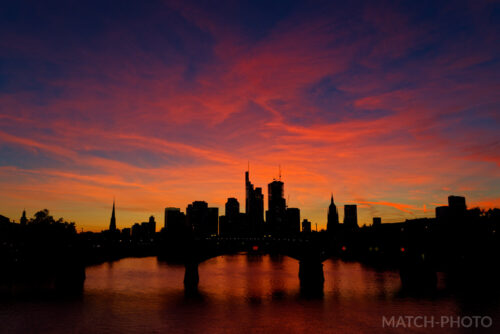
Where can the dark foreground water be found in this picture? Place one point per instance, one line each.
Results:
(242, 294)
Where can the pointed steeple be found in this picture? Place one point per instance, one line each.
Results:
(112, 223)
(24, 220)
(333, 216)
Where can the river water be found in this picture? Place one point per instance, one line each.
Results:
(241, 294)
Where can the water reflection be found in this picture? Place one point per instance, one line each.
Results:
(235, 294)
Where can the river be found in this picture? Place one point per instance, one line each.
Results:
(241, 294)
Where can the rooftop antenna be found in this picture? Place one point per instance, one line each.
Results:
(248, 168)
(279, 168)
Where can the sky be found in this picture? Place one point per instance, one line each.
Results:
(389, 105)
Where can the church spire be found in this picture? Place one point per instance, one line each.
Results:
(112, 223)
(333, 216)
(23, 218)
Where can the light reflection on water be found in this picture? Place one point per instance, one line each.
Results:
(237, 294)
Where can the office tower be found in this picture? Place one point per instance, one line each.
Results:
(350, 216)
(175, 220)
(457, 207)
(254, 206)
(232, 208)
(276, 207)
(213, 221)
(112, 223)
(293, 220)
(202, 219)
(377, 221)
(230, 223)
(152, 225)
(442, 213)
(137, 231)
(455, 211)
(170, 212)
(306, 226)
(457, 203)
(333, 217)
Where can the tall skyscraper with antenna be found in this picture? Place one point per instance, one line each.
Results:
(276, 213)
(254, 205)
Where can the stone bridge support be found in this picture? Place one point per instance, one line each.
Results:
(311, 277)
(191, 277)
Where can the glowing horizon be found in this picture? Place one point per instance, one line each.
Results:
(389, 106)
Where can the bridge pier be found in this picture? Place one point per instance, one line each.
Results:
(417, 274)
(311, 277)
(191, 277)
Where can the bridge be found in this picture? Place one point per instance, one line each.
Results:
(309, 250)
(190, 251)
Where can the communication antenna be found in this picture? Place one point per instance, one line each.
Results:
(279, 175)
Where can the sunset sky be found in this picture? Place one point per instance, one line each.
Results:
(389, 105)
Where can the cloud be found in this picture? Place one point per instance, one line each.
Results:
(164, 103)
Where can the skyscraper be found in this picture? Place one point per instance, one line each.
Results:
(350, 216)
(152, 225)
(112, 223)
(232, 208)
(333, 217)
(254, 206)
(202, 219)
(175, 220)
(276, 207)
(457, 208)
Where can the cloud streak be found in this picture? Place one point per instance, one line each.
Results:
(385, 105)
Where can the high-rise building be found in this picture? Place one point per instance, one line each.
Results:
(254, 206)
(213, 221)
(152, 225)
(454, 212)
(175, 220)
(202, 219)
(333, 217)
(112, 223)
(377, 221)
(442, 213)
(276, 207)
(457, 203)
(457, 207)
(137, 232)
(232, 208)
(350, 216)
(230, 222)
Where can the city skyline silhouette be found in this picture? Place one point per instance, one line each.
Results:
(265, 205)
(388, 107)
(249, 166)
